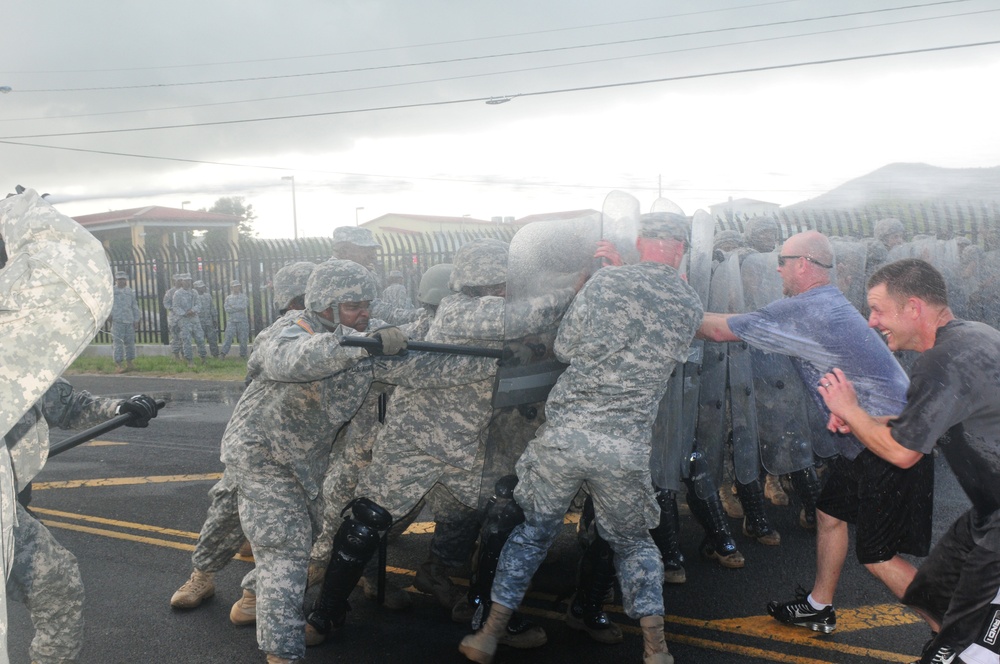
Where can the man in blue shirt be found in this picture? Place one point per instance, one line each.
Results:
(820, 329)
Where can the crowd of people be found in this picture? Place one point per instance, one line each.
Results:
(345, 433)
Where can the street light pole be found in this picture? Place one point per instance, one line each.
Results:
(295, 218)
(183, 203)
(356, 214)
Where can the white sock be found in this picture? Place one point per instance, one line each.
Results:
(816, 605)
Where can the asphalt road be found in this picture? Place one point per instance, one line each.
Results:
(130, 506)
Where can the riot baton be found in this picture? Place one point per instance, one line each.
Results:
(95, 431)
(373, 344)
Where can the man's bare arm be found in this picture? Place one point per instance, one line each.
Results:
(715, 327)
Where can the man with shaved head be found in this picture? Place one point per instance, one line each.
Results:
(818, 328)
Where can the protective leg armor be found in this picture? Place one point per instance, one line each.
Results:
(666, 536)
(356, 541)
(808, 487)
(595, 582)
(502, 515)
(718, 542)
(755, 523)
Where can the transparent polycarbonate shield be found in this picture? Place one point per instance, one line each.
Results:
(662, 204)
(620, 223)
(849, 271)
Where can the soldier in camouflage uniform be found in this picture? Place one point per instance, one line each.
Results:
(237, 319)
(221, 535)
(173, 327)
(54, 294)
(357, 244)
(435, 436)
(124, 323)
(208, 316)
(305, 387)
(45, 576)
(395, 293)
(624, 332)
(186, 308)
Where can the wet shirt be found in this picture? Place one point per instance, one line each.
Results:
(622, 336)
(821, 330)
(953, 402)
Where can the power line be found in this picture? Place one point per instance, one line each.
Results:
(510, 71)
(466, 100)
(554, 49)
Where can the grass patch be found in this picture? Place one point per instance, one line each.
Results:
(166, 367)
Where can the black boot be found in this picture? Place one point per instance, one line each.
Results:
(355, 542)
(667, 538)
(502, 515)
(755, 522)
(595, 582)
(808, 487)
(718, 543)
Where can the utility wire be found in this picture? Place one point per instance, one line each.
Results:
(506, 71)
(554, 49)
(451, 102)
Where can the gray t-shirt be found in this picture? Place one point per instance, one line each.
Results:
(954, 402)
(820, 330)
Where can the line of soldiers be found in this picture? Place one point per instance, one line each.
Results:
(193, 319)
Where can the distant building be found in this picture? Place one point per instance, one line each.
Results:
(395, 222)
(155, 225)
(743, 207)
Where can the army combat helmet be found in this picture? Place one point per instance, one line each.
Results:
(338, 281)
(290, 282)
(434, 284)
(481, 262)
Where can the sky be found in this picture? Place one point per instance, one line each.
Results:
(385, 106)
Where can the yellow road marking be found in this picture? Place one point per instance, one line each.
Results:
(122, 481)
(113, 522)
(101, 443)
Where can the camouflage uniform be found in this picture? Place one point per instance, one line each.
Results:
(277, 446)
(395, 295)
(209, 319)
(185, 307)
(45, 576)
(54, 294)
(599, 426)
(173, 327)
(124, 319)
(237, 322)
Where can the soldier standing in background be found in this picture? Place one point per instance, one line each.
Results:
(173, 327)
(395, 293)
(124, 319)
(237, 320)
(186, 308)
(208, 316)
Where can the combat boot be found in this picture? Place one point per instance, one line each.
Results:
(394, 599)
(244, 611)
(523, 634)
(129, 365)
(774, 492)
(666, 538)
(654, 645)
(194, 591)
(119, 369)
(481, 646)
(718, 544)
(730, 503)
(274, 659)
(808, 486)
(596, 580)
(755, 523)
(246, 550)
(432, 578)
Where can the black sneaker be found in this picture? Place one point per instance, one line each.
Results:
(939, 655)
(801, 614)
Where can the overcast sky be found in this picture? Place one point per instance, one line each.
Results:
(381, 105)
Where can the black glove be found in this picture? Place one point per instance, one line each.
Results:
(141, 406)
(393, 340)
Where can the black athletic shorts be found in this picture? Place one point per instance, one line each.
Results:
(890, 506)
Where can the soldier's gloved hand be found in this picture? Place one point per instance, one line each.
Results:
(393, 340)
(142, 406)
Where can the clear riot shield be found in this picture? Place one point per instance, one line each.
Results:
(546, 260)
(946, 257)
(713, 401)
(782, 400)
(676, 419)
(849, 271)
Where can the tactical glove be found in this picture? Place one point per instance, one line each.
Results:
(141, 406)
(393, 340)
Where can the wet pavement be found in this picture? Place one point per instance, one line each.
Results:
(130, 505)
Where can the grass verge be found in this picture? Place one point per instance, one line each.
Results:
(166, 367)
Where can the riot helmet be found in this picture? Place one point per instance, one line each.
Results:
(481, 262)
(337, 281)
(290, 282)
(434, 284)
(762, 234)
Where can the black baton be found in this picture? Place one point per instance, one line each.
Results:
(371, 343)
(95, 431)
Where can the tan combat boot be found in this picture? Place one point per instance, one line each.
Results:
(432, 578)
(129, 365)
(274, 659)
(654, 646)
(119, 369)
(730, 503)
(194, 591)
(244, 611)
(481, 646)
(395, 599)
(774, 492)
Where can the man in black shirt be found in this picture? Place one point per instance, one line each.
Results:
(952, 403)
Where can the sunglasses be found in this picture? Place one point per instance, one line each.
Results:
(782, 259)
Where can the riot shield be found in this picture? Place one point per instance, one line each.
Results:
(943, 255)
(850, 259)
(780, 396)
(743, 402)
(676, 419)
(662, 204)
(713, 402)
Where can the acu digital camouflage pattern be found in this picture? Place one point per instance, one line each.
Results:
(305, 387)
(208, 318)
(290, 282)
(55, 295)
(45, 576)
(187, 309)
(237, 322)
(622, 335)
(125, 316)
